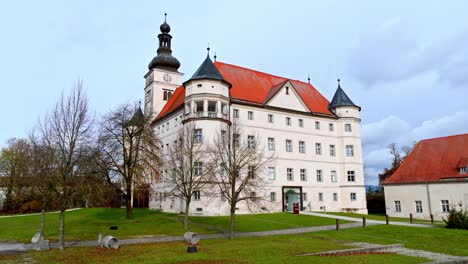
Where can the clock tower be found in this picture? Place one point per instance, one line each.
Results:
(162, 78)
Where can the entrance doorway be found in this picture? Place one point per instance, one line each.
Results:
(291, 195)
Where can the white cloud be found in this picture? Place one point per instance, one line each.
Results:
(388, 130)
(444, 126)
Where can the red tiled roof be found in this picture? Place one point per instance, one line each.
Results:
(433, 160)
(254, 87)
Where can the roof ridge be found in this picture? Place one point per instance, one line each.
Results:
(257, 71)
(444, 137)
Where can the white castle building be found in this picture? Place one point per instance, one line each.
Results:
(317, 143)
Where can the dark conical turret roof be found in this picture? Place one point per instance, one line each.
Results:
(207, 70)
(138, 118)
(340, 98)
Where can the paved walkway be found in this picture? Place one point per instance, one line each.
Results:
(368, 221)
(363, 248)
(56, 212)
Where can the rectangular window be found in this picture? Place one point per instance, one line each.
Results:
(303, 174)
(288, 121)
(251, 172)
(347, 127)
(166, 150)
(167, 126)
(198, 166)
(349, 150)
(333, 176)
(397, 206)
(162, 128)
(271, 144)
(335, 197)
(330, 127)
(320, 198)
(353, 196)
(235, 113)
(332, 151)
(250, 115)
(317, 125)
(301, 123)
(319, 176)
(273, 196)
(196, 195)
(289, 174)
(301, 146)
(175, 123)
(288, 145)
(304, 197)
(318, 148)
(418, 206)
(271, 173)
(270, 118)
(198, 136)
(445, 206)
(250, 141)
(351, 176)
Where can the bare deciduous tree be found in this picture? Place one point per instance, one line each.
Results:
(236, 161)
(184, 165)
(67, 129)
(128, 150)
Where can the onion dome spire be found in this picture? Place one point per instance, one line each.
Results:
(164, 59)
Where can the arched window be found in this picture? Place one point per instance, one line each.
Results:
(165, 96)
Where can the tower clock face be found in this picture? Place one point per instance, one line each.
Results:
(167, 77)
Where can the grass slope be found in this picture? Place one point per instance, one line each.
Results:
(442, 240)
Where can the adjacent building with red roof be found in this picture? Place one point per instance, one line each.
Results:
(431, 179)
(316, 142)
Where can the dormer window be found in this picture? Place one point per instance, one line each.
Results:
(287, 90)
(463, 170)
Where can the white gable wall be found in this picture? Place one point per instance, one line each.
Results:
(289, 101)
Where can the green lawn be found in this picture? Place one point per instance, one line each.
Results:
(275, 249)
(85, 224)
(442, 240)
(264, 222)
(382, 218)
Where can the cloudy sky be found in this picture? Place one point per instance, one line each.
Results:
(405, 64)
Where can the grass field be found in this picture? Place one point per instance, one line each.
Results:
(275, 249)
(85, 224)
(382, 218)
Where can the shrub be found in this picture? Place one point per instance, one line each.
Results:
(457, 218)
(30, 207)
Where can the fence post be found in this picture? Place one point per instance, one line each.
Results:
(411, 218)
(386, 219)
(337, 224)
(363, 221)
(432, 218)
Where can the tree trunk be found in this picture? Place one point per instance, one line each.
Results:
(187, 204)
(233, 221)
(128, 204)
(62, 230)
